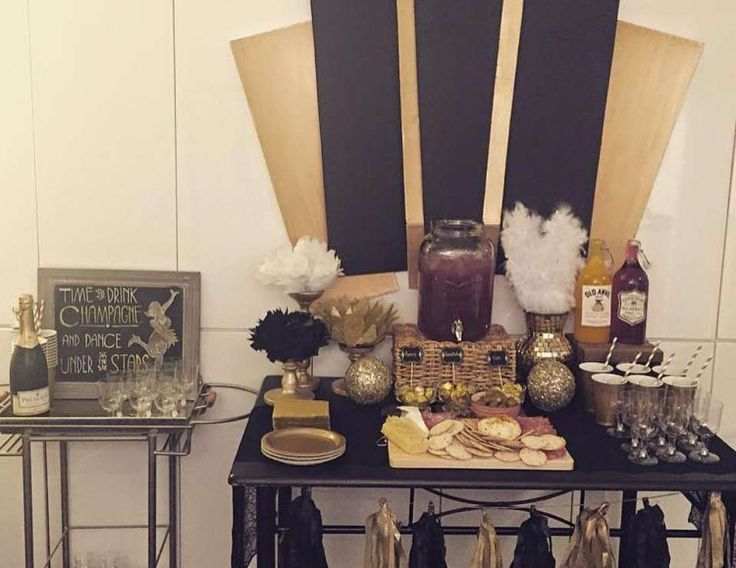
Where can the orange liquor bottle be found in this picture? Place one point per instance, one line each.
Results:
(593, 296)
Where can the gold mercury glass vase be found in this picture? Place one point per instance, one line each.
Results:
(545, 340)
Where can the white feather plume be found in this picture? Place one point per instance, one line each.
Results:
(544, 257)
(308, 267)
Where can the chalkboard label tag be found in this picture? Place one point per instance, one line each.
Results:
(413, 354)
(452, 355)
(497, 358)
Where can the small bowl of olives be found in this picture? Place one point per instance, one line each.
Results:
(498, 400)
(416, 395)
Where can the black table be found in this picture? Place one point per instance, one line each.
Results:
(599, 465)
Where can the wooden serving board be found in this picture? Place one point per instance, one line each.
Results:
(399, 459)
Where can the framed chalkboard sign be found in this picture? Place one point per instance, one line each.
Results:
(117, 320)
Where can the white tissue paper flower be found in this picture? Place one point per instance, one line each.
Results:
(308, 267)
(544, 257)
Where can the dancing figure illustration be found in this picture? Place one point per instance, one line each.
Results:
(163, 335)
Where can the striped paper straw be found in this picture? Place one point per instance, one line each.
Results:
(610, 350)
(666, 364)
(703, 368)
(651, 355)
(689, 364)
(634, 362)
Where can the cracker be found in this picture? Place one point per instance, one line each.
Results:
(553, 443)
(505, 456)
(479, 453)
(440, 442)
(437, 452)
(456, 426)
(458, 452)
(534, 442)
(534, 458)
(440, 428)
(500, 428)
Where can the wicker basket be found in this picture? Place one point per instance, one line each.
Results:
(419, 361)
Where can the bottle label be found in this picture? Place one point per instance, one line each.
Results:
(596, 308)
(28, 403)
(632, 307)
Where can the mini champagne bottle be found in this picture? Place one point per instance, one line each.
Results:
(29, 376)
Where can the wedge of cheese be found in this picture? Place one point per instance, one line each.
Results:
(296, 413)
(405, 433)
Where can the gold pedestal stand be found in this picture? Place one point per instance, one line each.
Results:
(305, 380)
(289, 386)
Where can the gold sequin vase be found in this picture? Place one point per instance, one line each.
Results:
(545, 340)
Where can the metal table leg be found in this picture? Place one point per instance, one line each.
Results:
(27, 500)
(66, 553)
(266, 527)
(173, 511)
(628, 510)
(237, 553)
(46, 505)
(152, 481)
(283, 502)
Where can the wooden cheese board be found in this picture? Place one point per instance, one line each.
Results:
(399, 459)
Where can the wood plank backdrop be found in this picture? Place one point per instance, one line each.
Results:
(425, 109)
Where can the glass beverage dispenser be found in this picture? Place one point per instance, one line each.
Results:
(456, 267)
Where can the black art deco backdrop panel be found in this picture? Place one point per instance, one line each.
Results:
(562, 75)
(457, 48)
(356, 50)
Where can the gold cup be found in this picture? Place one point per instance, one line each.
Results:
(607, 389)
(585, 381)
(644, 384)
(680, 390)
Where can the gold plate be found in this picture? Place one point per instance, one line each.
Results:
(303, 461)
(302, 442)
(269, 454)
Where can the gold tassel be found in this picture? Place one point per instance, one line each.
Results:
(712, 542)
(487, 553)
(590, 546)
(383, 540)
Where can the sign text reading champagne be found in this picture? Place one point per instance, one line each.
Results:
(115, 328)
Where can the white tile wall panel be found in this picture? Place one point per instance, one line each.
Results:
(103, 84)
(724, 388)
(727, 312)
(228, 215)
(19, 250)
(206, 496)
(684, 350)
(683, 226)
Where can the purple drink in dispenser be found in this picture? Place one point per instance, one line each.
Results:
(456, 267)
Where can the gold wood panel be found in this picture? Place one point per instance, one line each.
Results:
(411, 141)
(650, 75)
(503, 96)
(363, 286)
(278, 75)
(277, 70)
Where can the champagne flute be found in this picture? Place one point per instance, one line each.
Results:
(140, 395)
(620, 430)
(167, 395)
(643, 426)
(633, 444)
(110, 394)
(674, 423)
(706, 421)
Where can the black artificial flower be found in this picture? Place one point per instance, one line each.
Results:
(288, 336)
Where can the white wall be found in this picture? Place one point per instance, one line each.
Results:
(126, 142)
